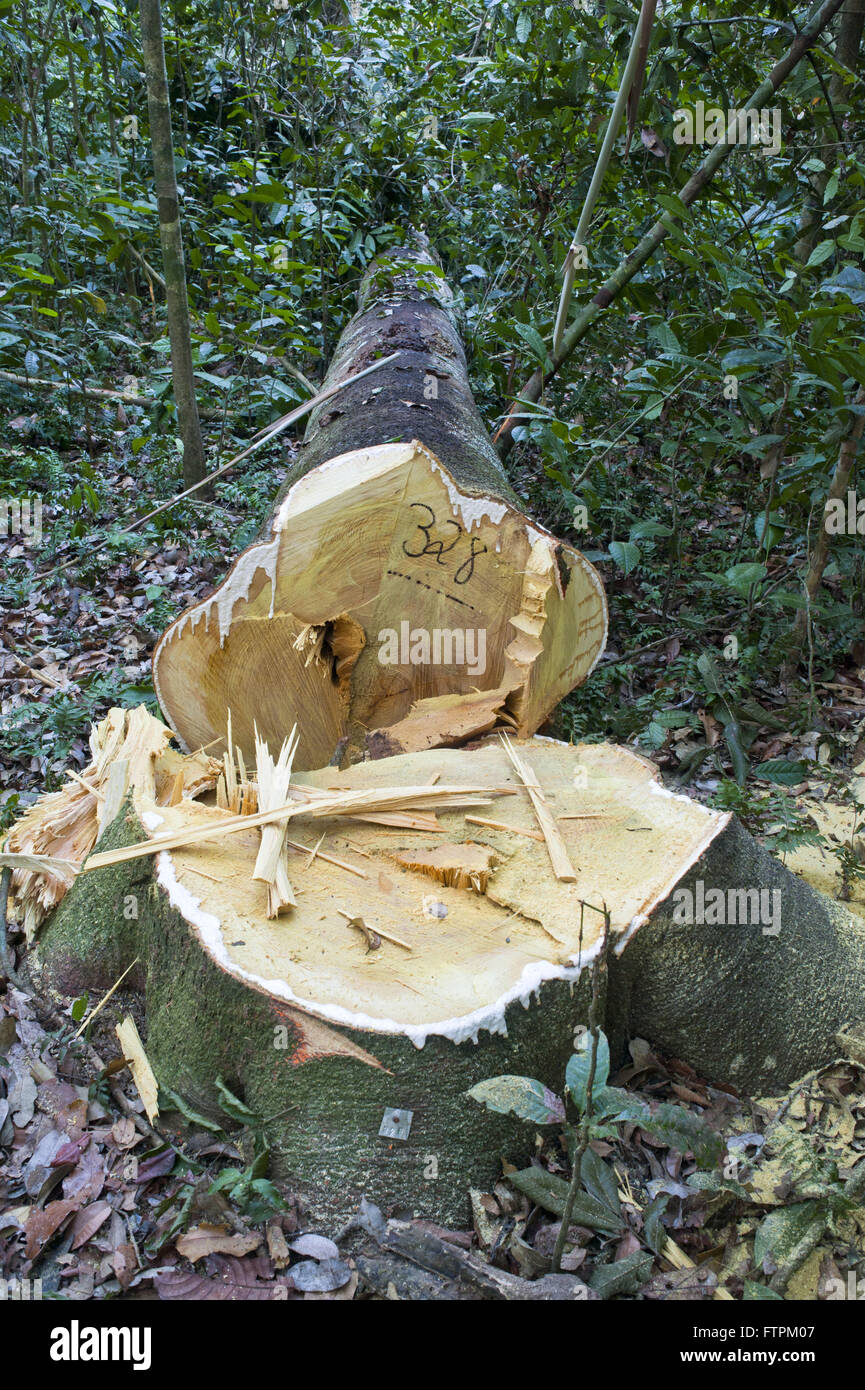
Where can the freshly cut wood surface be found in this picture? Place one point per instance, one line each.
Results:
(317, 624)
(469, 944)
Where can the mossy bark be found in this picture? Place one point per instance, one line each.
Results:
(405, 306)
(739, 1004)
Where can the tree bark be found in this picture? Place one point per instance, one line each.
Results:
(847, 52)
(177, 304)
(404, 305)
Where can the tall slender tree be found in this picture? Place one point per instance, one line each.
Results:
(177, 303)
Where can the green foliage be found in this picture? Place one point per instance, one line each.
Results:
(550, 1192)
(622, 1277)
(597, 1111)
(520, 1096)
(254, 1195)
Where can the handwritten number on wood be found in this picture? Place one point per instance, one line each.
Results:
(469, 564)
(431, 547)
(438, 548)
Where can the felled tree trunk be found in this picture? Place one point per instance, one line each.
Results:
(398, 598)
(427, 950)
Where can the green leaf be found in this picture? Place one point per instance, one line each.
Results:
(713, 1182)
(521, 1096)
(751, 357)
(755, 1291)
(670, 203)
(675, 719)
(233, 1106)
(223, 383)
(176, 1102)
(786, 772)
(850, 281)
(733, 736)
(654, 1232)
(742, 577)
(821, 253)
(524, 26)
(579, 1066)
(599, 1180)
(786, 1232)
(622, 1276)
(684, 1131)
(708, 669)
(655, 735)
(644, 530)
(626, 555)
(614, 1102)
(79, 1008)
(532, 337)
(549, 1191)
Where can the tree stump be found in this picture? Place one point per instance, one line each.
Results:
(425, 956)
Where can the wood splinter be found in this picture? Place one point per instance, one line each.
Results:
(562, 866)
(373, 934)
(271, 865)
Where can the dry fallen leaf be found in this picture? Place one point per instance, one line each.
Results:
(653, 143)
(124, 1133)
(87, 1222)
(42, 1224)
(215, 1240)
(314, 1247)
(277, 1246)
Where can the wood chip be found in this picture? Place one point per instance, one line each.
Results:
(271, 865)
(142, 1072)
(361, 925)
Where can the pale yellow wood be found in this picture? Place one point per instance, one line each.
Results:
(467, 958)
(116, 787)
(328, 858)
(365, 543)
(351, 805)
(562, 866)
(273, 782)
(503, 825)
(473, 907)
(66, 824)
(443, 719)
(142, 1072)
(379, 931)
(82, 782)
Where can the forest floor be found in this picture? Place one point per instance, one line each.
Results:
(96, 1203)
